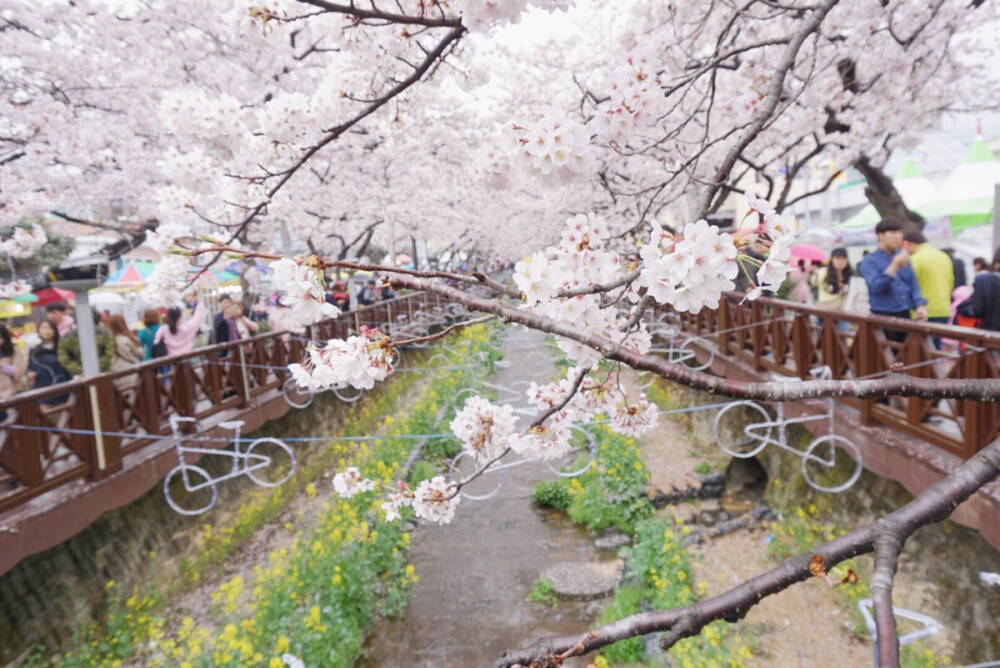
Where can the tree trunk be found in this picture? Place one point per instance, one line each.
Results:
(885, 198)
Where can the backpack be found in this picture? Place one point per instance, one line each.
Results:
(159, 349)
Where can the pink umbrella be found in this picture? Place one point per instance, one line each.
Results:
(808, 252)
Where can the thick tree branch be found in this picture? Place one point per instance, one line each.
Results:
(888, 544)
(897, 384)
(769, 106)
(883, 194)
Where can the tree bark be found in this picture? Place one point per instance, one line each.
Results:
(885, 198)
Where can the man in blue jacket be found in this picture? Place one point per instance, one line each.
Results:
(892, 286)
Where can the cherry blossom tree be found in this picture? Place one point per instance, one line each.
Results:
(610, 142)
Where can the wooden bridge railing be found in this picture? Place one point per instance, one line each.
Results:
(776, 336)
(85, 428)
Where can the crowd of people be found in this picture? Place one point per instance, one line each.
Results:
(904, 277)
(51, 355)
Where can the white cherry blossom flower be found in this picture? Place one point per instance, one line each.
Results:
(483, 428)
(395, 503)
(532, 277)
(435, 500)
(544, 442)
(772, 274)
(13, 289)
(634, 417)
(350, 482)
(23, 242)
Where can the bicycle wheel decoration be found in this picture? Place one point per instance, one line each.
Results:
(736, 429)
(269, 462)
(296, 395)
(831, 464)
(190, 490)
(486, 486)
(575, 462)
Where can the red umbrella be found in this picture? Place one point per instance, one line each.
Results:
(52, 294)
(808, 252)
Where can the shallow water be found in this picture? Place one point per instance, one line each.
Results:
(470, 604)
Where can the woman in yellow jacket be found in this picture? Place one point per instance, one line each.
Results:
(832, 281)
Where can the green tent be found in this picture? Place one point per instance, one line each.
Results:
(967, 195)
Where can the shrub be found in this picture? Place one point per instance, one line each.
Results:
(422, 470)
(437, 449)
(543, 591)
(552, 494)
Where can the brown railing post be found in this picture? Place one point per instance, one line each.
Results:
(802, 345)
(242, 381)
(107, 419)
(866, 363)
(758, 335)
(22, 454)
(181, 390)
(147, 402)
(724, 323)
(915, 353)
(980, 417)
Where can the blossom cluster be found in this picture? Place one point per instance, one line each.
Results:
(302, 287)
(359, 362)
(482, 15)
(167, 236)
(434, 500)
(484, 428)
(13, 289)
(636, 102)
(691, 270)
(775, 269)
(629, 415)
(164, 285)
(24, 242)
(579, 261)
(553, 150)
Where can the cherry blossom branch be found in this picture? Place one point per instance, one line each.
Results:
(934, 504)
(334, 133)
(390, 17)
(475, 278)
(769, 106)
(555, 408)
(895, 384)
(537, 422)
(444, 332)
(598, 288)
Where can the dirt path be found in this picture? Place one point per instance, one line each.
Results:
(803, 626)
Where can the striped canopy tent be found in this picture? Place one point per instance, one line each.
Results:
(915, 189)
(967, 195)
(130, 277)
(217, 276)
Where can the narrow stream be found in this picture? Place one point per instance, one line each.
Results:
(470, 604)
